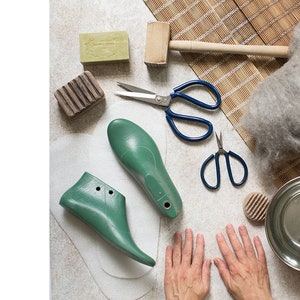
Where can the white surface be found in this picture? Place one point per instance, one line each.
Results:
(71, 156)
(203, 210)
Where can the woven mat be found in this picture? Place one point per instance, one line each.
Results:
(268, 22)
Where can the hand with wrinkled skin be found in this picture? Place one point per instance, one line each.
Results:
(187, 276)
(243, 270)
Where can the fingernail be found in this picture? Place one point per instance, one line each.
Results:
(188, 230)
(215, 260)
(256, 237)
(177, 234)
(219, 236)
(242, 228)
(229, 227)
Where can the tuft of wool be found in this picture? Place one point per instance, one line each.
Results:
(273, 112)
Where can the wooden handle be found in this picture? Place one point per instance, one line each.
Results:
(200, 47)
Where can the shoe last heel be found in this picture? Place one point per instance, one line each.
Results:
(104, 209)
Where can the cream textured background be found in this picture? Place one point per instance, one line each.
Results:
(204, 211)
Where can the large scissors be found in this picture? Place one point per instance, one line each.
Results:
(216, 157)
(153, 98)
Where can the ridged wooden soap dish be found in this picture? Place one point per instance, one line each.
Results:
(79, 94)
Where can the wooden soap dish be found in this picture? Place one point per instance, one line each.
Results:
(79, 94)
(255, 207)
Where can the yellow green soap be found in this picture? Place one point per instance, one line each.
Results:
(102, 47)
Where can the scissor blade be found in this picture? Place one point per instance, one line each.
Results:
(149, 98)
(219, 141)
(133, 88)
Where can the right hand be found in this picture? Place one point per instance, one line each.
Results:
(243, 270)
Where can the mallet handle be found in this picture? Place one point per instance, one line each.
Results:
(197, 47)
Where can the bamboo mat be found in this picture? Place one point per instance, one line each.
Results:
(268, 22)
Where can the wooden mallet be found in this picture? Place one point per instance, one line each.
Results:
(158, 43)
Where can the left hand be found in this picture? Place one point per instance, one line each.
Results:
(187, 276)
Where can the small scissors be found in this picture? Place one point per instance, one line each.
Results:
(216, 157)
(153, 98)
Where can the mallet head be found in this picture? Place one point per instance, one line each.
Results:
(157, 44)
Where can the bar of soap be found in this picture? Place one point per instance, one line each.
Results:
(103, 47)
(79, 94)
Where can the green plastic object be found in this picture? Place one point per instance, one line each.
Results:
(140, 156)
(104, 209)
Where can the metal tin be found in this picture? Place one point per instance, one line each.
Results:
(283, 223)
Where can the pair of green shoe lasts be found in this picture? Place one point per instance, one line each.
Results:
(104, 208)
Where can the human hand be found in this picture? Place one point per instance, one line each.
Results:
(243, 270)
(187, 276)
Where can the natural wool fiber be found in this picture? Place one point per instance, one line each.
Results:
(273, 112)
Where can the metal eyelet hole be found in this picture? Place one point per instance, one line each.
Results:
(110, 192)
(167, 205)
(98, 188)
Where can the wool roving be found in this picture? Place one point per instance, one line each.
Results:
(273, 112)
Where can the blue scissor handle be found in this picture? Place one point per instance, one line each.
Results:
(170, 115)
(216, 157)
(212, 88)
(241, 161)
(228, 165)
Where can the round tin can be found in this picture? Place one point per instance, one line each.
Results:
(282, 223)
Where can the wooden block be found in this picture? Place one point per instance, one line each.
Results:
(157, 44)
(255, 206)
(103, 47)
(79, 94)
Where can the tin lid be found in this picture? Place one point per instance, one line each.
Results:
(283, 223)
